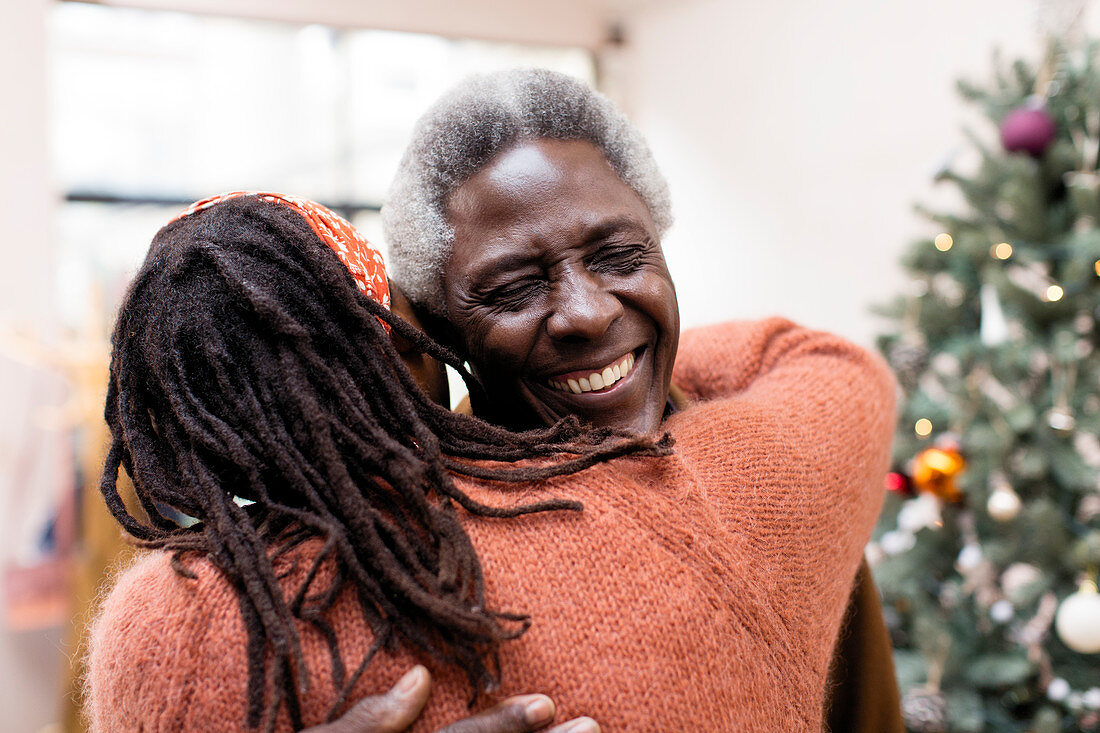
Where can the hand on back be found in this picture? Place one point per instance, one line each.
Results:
(398, 709)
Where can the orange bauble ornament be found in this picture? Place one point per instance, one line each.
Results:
(935, 471)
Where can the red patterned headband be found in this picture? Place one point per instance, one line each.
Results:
(364, 262)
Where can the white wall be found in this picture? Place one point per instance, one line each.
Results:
(798, 134)
(563, 22)
(30, 662)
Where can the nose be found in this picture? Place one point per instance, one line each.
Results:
(583, 308)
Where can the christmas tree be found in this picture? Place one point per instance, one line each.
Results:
(989, 544)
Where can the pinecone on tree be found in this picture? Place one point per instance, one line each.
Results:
(908, 358)
(924, 711)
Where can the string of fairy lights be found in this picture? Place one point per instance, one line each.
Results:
(1031, 279)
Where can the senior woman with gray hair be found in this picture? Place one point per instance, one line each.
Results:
(524, 225)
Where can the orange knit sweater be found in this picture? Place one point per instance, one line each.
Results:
(701, 591)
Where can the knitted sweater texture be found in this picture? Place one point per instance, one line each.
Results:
(701, 591)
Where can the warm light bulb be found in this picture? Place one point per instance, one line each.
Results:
(944, 242)
(923, 428)
(1002, 251)
(1097, 266)
(1054, 293)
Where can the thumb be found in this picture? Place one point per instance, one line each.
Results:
(390, 713)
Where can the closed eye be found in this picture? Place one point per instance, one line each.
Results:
(515, 295)
(617, 259)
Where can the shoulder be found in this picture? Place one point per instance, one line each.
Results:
(162, 639)
(716, 360)
(725, 359)
(151, 592)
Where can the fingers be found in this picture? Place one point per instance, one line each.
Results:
(395, 711)
(514, 715)
(518, 715)
(390, 713)
(577, 725)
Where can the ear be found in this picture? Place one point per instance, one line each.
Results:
(402, 308)
(437, 327)
(428, 373)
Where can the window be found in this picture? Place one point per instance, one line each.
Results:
(153, 109)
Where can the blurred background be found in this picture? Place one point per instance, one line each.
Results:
(796, 136)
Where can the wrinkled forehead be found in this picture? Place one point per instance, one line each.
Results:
(543, 193)
(515, 176)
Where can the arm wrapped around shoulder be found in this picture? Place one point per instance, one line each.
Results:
(796, 425)
(726, 358)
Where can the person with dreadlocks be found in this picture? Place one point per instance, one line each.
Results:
(255, 387)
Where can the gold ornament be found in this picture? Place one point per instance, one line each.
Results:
(935, 471)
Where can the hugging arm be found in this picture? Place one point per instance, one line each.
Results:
(750, 358)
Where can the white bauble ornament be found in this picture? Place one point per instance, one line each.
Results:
(1017, 577)
(1003, 504)
(1078, 620)
(916, 514)
(897, 542)
(1002, 611)
(1061, 420)
(969, 558)
(1058, 689)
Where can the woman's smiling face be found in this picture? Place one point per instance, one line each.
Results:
(558, 290)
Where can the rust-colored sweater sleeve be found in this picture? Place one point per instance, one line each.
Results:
(844, 399)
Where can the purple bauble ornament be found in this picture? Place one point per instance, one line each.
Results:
(1028, 130)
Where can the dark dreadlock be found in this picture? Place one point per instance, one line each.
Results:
(247, 365)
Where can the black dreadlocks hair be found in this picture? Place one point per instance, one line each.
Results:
(246, 365)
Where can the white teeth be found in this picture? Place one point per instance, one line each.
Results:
(597, 380)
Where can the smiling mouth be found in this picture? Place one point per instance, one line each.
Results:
(599, 380)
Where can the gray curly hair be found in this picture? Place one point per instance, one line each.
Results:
(464, 130)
